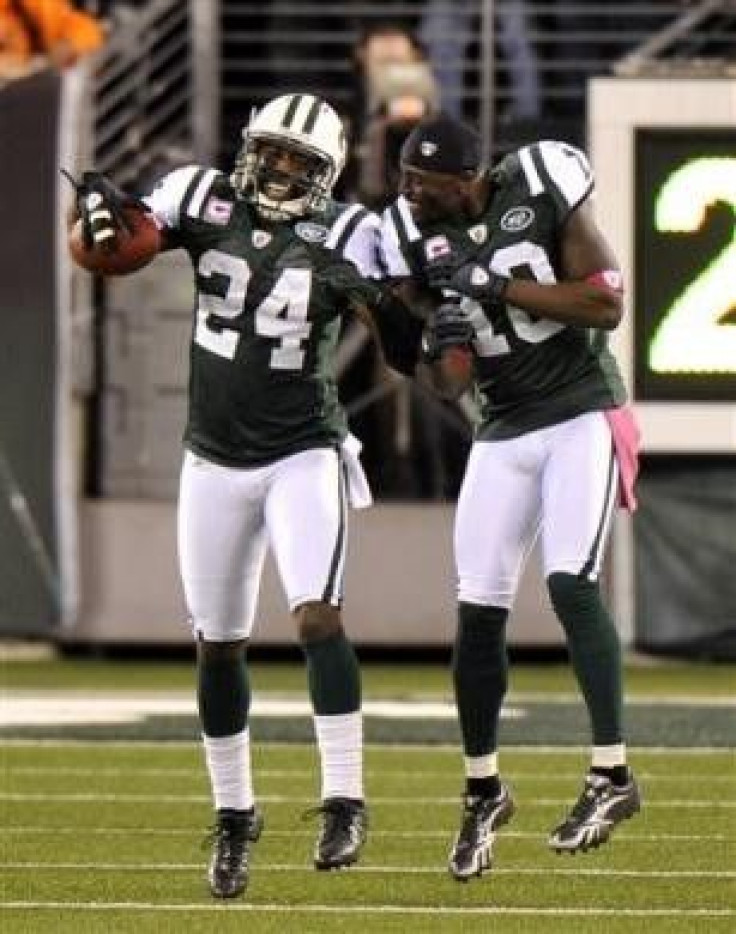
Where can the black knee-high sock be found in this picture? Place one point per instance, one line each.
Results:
(595, 652)
(480, 675)
(333, 675)
(223, 694)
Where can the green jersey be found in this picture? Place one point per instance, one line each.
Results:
(262, 382)
(530, 372)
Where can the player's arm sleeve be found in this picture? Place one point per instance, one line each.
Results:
(559, 171)
(399, 331)
(177, 196)
(359, 276)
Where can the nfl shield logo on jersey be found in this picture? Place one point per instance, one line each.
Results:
(478, 234)
(436, 247)
(260, 239)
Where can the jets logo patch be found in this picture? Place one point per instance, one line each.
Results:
(516, 219)
(311, 232)
(217, 211)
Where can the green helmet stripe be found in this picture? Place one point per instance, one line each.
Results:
(291, 111)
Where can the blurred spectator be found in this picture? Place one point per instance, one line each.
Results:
(448, 29)
(36, 33)
(396, 89)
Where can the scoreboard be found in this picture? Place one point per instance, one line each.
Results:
(685, 264)
(664, 154)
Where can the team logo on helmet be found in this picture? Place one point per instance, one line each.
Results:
(516, 219)
(311, 233)
(428, 148)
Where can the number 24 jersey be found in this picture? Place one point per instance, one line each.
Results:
(267, 319)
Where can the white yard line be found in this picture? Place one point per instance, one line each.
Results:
(53, 708)
(491, 911)
(297, 772)
(63, 708)
(290, 799)
(383, 870)
(449, 749)
(628, 837)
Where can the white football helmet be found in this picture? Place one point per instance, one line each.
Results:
(302, 124)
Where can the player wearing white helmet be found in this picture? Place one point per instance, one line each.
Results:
(269, 462)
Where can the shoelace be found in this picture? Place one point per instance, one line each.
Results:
(585, 804)
(234, 837)
(470, 827)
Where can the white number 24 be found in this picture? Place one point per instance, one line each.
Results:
(282, 315)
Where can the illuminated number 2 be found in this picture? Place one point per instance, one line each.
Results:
(690, 338)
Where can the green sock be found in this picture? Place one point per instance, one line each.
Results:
(223, 695)
(480, 675)
(333, 675)
(595, 652)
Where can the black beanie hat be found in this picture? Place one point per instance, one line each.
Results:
(441, 143)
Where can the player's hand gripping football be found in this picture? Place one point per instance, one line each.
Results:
(101, 205)
(469, 279)
(449, 327)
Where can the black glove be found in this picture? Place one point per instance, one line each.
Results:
(449, 327)
(469, 279)
(101, 206)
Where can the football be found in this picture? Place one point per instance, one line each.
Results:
(132, 250)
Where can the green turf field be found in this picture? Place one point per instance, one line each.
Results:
(104, 824)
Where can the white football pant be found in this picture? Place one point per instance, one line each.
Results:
(560, 481)
(227, 519)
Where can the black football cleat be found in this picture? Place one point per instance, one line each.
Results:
(600, 807)
(472, 852)
(342, 834)
(231, 839)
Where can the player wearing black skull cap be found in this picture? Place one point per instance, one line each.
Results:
(529, 289)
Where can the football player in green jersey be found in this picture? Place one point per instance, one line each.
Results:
(269, 461)
(527, 289)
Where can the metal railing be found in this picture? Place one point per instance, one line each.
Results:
(285, 45)
(153, 97)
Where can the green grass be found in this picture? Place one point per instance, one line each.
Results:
(108, 836)
(97, 826)
(643, 677)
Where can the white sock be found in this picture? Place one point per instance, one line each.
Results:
(228, 762)
(608, 757)
(340, 743)
(481, 766)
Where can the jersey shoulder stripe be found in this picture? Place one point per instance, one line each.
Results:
(344, 227)
(196, 197)
(560, 170)
(399, 239)
(353, 235)
(180, 194)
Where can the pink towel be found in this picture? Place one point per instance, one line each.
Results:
(626, 444)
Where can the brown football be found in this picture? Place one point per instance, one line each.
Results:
(132, 251)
